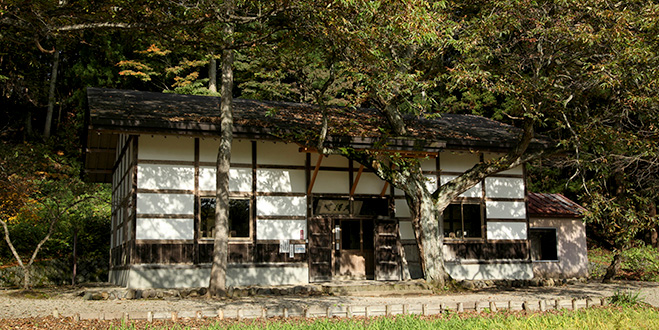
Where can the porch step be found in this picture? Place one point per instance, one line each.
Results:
(377, 288)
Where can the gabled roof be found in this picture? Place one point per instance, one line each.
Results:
(113, 111)
(554, 205)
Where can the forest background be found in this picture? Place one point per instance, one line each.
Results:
(584, 73)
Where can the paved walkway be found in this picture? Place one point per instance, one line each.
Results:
(69, 303)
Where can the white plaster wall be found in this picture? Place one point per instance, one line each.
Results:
(369, 183)
(475, 191)
(402, 209)
(240, 179)
(149, 228)
(280, 229)
(519, 170)
(331, 161)
(406, 230)
(270, 153)
(332, 182)
(506, 230)
(159, 147)
(504, 187)
(280, 205)
(499, 271)
(277, 180)
(457, 161)
(505, 210)
(157, 176)
(165, 203)
(181, 276)
(241, 151)
(429, 164)
(572, 250)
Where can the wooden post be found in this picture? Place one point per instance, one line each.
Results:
(174, 316)
(220, 313)
(604, 301)
(366, 312)
(328, 312)
(424, 309)
(442, 307)
(557, 304)
(126, 317)
(574, 304)
(284, 313)
(264, 313)
(149, 316)
(239, 314)
(525, 306)
(349, 311)
(493, 307)
(542, 305)
(56, 313)
(460, 308)
(406, 308)
(387, 310)
(198, 315)
(510, 305)
(306, 312)
(76, 317)
(589, 302)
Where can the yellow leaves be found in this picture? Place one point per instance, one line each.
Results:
(187, 80)
(154, 50)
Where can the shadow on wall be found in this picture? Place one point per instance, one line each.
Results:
(142, 277)
(571, 249)
(495, 271)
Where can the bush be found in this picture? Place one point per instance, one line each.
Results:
(626, 298)
(638, 263)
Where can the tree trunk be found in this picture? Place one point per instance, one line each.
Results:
(427, 230)
(51, 97)
(217, 285)
(212, 75)
(75, 257)
(613, 268)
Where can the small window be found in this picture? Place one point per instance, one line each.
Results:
(463, 221)
(239, 217)
(543, 244)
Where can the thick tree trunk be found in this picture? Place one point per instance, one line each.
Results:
(427, 230)
(217, 285)
(613, 268)
(51, 97)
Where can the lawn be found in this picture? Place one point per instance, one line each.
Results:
(600, 318)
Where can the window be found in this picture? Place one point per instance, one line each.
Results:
(463, 221)
(543, 244)
(239, 217)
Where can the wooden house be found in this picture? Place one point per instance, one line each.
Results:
(296, 216)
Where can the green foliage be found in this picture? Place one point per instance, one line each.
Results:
(626, 298)
(638, 263)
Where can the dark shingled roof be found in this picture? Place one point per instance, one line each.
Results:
(113, 111)
(554, 205)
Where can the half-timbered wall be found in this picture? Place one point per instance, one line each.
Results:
(160, 181)
(501, 251)
(123, 203)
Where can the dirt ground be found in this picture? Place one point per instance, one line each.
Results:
(68, 302)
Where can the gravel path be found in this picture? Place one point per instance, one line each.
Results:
(68, 302)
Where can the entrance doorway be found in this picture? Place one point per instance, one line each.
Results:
(355, 242)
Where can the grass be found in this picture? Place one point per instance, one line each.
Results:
(638, 263)
(632, 317)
